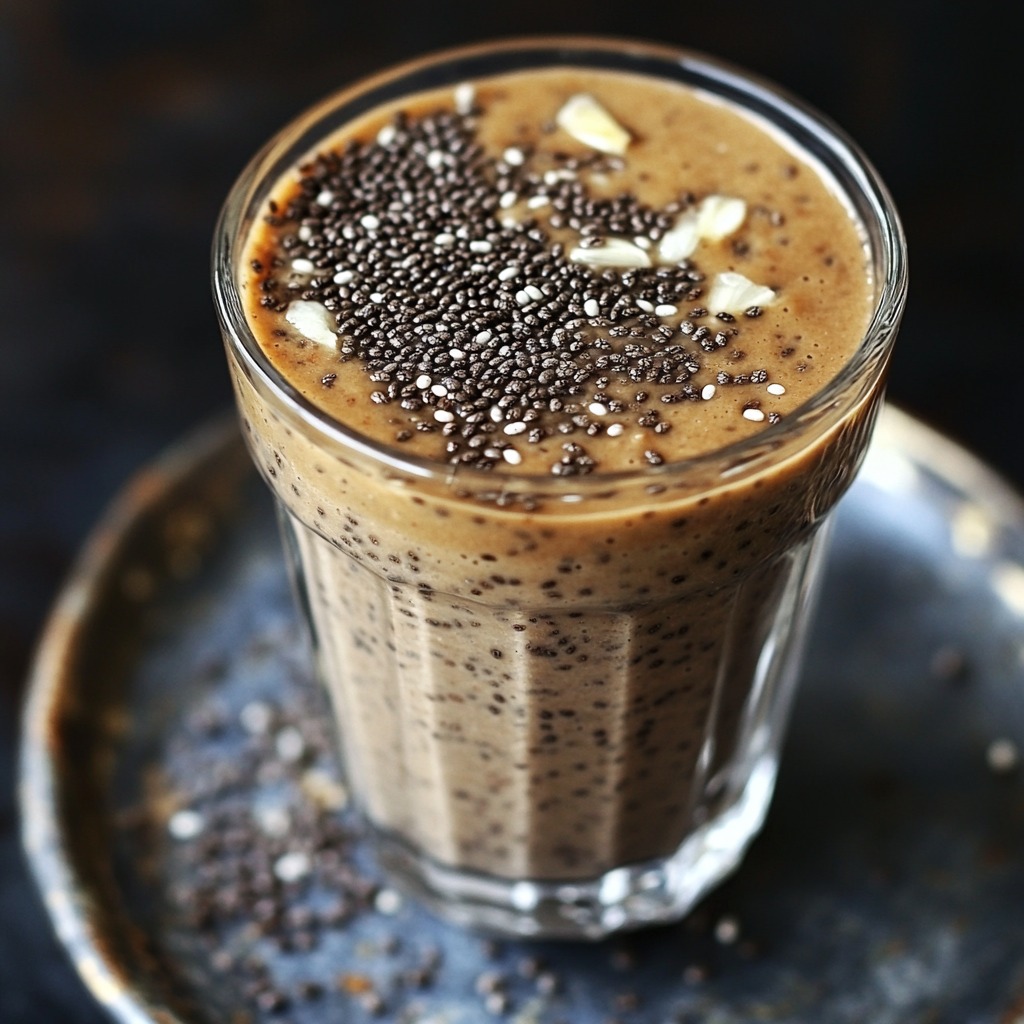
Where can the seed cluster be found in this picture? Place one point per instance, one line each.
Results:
(473, 316)
(269, 877)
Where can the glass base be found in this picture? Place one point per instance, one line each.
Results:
(634, 896)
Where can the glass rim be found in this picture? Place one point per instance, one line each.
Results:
(847, 166)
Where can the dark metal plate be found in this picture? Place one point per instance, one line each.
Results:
(182, 809)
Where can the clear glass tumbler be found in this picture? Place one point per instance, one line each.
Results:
(560, 701)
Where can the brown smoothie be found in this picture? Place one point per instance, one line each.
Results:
(548, 290)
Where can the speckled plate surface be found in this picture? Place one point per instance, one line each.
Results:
(184, 819)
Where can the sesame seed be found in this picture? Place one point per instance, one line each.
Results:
(185, 824)
(439, 389)
(507, 200)
(465, 97)
(370, 222)
(483, 337)
(615, 429)
(423, 381)
(523, 297)
(387, 135)
(591, 308)
(538, 201)
(444, 416)
(754, 415)
(597, 409)
(708, 392)
(647, 307)
(376, 297)
(343, 277)
(325, 198)
(775, 389)
(303, 266)
(444, 239)
(507, 273)
(290, 867)
(516, 427)
(435, 158)
(481, 245)
(665, 309)
(514, 156)
(534, 292)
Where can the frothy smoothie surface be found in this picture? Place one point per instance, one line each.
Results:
(557, 271)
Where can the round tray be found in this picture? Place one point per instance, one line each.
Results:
(186, 824)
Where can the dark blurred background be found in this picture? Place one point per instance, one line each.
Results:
(123, 124)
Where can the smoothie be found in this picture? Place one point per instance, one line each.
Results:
(562, 317)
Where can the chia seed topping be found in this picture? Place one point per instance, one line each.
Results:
(422, 256)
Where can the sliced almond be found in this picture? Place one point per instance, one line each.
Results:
(732, 293)
(312, 320)
(680, 241)
(613, 252)
(588, 122)
(719, 216)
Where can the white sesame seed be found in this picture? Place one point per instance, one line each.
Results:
(456, 353)
(273, 821)
(387, 902)
(290, 744)
(445, 239)
(536, 202)
(754, 415)
(597, 409)
(377, 297)
(508, 273)
(255, 717)
(443, 416)
(508, 199)
(481, 245)
(477, 268)
(303, 266)
(775, 389)
(290, 867)
(496, 413)
(439, 389)
(325, 198)
(534, 292)
(483, 337)
(305, 233)
(435, 158)
(515, 427)
(642, 241)
(514, 156)
(708, 392)
(511, 456)
(343, 277)
(369, 221)
(665, 309)
(387, 135)
(423, 381)
(462, 232)
(465, 95)
(492, 453)
(615, 429)
(647, 307)
(591, 308)
(523, 297)
(185, 824)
